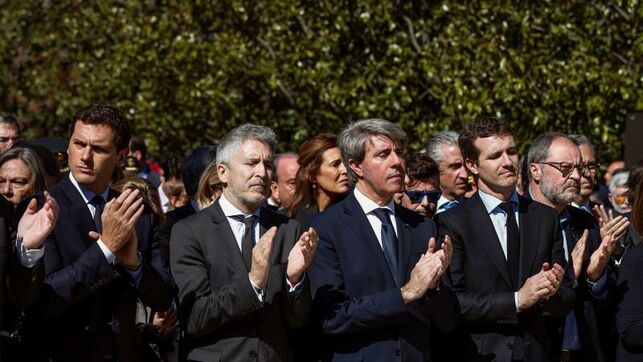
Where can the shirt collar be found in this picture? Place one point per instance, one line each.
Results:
(563, 216)
(85, 193)
(443, 200)
(491, 202)
(369, 205)
(230, 210)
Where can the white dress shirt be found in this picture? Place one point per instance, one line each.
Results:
(368, 206)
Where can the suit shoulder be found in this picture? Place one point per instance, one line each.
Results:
(278, 219)
(581, 216)
(533, 206)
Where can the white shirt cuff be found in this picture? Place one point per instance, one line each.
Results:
(297, 287)
(516, 301)
(29, 257)
(261, 295)
(111, 258)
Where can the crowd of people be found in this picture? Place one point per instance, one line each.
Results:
(349, 249)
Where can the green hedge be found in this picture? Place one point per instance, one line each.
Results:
(186, 72)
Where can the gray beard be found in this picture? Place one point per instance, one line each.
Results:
(556, 196)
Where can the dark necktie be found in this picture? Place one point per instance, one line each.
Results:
(513, 243)
(99, 204)
(248, 240)
(389, 242)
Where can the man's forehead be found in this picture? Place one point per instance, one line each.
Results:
(380, 141)
(563, 150)
(6, 128)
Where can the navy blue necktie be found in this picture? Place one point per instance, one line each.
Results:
(389, 242)
(513, 243)
(99, 204)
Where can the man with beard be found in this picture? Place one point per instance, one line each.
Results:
(508, 258)
(238, 300)
(556, 170)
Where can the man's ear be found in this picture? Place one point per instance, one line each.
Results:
(122, 154)
(356, 166)
(535, 171)
(222, 172)
(471, 166)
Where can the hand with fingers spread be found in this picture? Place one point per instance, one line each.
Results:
(599, 258)
(301, 255)
(610, 225)
(35, 225)
(261, 259)
(426, 273)
(578, 254)
(540, 286)
(119, 218)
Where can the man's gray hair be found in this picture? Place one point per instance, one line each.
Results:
(440, 140)
(352, 140)
(581, 139)
(539, 149)
(619, 180)
(230, 143)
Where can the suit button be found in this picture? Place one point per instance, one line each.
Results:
(510, 346)
(397, 352)
(253, 354)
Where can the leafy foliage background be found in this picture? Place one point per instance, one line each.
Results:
(188, 71)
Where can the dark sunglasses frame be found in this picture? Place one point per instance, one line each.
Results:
(416, 196)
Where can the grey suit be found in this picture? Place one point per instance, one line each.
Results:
(221, 314)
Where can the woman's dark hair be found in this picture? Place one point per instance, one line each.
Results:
(310, 159)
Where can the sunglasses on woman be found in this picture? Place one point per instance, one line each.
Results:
(416, 196)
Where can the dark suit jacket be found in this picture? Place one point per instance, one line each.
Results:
(629, 315)
(19, 286)
(492, 328)
(356, 299)
(589, 311)
(172, 218)
(89, 305)
(222, 315)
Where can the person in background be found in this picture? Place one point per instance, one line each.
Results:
(588, 177)
(138, 149)
(157, 328)
(171, 183)
(9, 131)
(282, 186)
(603, 189)
(619, 192)
(193, 166)
(22, 175)
(629, 314)
(443, 148)
(321, 179)
(422, 185)
(210, 187)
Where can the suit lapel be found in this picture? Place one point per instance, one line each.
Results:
(529, 231)
(358, 223)
(224, 236)
(404, 238)
(78, 210)
(488, 238)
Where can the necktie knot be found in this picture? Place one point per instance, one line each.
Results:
(383, 214)
(247, 220)
(449, 204)
(98, 201)
(507, 207)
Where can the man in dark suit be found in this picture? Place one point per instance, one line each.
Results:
(376, 276)
(556, 171)
(101, 256)
(237, 301)
(21, 270)
(508, 258)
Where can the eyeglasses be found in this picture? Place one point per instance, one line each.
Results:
(592, 166)
(566, 168)
(416, 196)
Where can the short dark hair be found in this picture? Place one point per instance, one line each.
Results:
(10, 119)
(481, 127)
(421, 167)
(137, 143)
(194, 165)
(108, 115)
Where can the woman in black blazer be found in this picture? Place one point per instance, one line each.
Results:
(629, 315)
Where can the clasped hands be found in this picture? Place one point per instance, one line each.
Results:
(299, 258)
(119, 219)
(428, 270)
